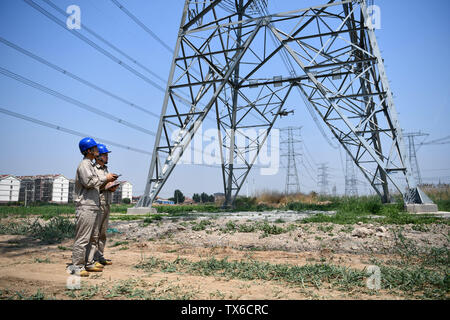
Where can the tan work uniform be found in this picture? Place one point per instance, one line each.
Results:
(87, 202)
(105, 204)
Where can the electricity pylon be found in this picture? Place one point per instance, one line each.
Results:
(412, 153)
(292, 139)
(413, 148)
(322, 179)
(226, 65)
(351, 183)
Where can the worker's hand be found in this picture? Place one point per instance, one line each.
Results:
(111, 177)
(113, 189)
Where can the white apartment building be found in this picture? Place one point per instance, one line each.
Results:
(9, 188)
(60, 191)
(127, 190)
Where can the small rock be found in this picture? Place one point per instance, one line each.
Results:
(361, 232)
(381, 229)
(359, 223)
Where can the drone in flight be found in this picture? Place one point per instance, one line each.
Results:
(283, 113)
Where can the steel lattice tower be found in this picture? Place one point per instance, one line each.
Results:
(322, 179)
(223, 68)
(292, 140)
(351, 187)
(412, 154)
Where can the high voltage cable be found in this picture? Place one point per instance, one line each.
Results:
(79, 104)
(73, 132)
(80, 134)
(154, 36)
(143, 26)
(94, 45)
(98, 48)
(106, 42)
(73, 76)
(73, 101)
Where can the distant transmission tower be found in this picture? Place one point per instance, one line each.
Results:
(412, 153)
(351, 188)
(226, 65)
(322, 179)
(293, 139)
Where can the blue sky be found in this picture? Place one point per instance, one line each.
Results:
(413, 39)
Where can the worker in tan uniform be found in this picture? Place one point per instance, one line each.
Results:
(87, 202)
(106, 193)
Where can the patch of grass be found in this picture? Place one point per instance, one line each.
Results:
(347, 229)
(420, 228)
(55, 230)
(325, 228)
(120, 208)
(38, 260)
(201, 225)
(230, 226)
(409, 279)
(152, 218)
(313, 275)
(85, 293)
(175, 210)
(46, 211)
(19, 295)
(63, 248)
(119, 243)
(15, 228)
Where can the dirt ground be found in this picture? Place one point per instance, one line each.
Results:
(31, 269)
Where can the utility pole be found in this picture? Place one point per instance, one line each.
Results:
(291, 138)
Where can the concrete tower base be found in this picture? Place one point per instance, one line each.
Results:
(422, 208)
(141, 210)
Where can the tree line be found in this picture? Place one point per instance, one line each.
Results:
(178, 197)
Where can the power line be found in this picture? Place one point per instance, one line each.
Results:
(73, 132)
(101, 50)
(73, 101)
(73, 76)
(94, 45)
(107, 42)
(143, 26)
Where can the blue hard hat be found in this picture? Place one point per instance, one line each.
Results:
(86, 143)
(102, 149)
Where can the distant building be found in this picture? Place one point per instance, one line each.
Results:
(163, 201)
(188, 201)
(44, 188)
(26, 193)
(9, 188)
(125, 190)
(71, 196)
